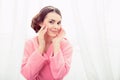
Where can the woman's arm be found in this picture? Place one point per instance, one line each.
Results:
(60, 63)
(32, 62)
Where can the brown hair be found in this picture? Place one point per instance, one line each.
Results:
(41, 16)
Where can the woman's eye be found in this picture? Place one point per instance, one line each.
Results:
(59, 23)
(51, 22)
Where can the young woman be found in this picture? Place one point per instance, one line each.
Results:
(48, 55)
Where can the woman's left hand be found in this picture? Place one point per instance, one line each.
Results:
(57, 39)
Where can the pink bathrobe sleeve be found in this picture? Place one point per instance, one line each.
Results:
(60, 63)
(32, 61)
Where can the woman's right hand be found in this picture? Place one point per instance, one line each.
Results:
(41, 39)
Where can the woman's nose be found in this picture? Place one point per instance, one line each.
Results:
(56, 26)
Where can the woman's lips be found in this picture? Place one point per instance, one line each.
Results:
(54, 31)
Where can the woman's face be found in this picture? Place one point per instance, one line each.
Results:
(53, 23)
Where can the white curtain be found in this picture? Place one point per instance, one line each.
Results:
(92, 26)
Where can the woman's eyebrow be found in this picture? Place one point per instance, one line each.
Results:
(54, 20)
(59, 21)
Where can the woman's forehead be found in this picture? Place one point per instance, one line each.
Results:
(53, 16)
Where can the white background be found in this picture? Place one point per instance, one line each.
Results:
(92, 26)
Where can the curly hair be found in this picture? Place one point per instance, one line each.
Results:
(39, 18)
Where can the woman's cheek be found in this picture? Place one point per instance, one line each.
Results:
(60, 29)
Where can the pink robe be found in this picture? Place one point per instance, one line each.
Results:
(47, 67)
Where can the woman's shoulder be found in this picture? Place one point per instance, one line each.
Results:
(31, 41)
(66, 44)
(65, 41)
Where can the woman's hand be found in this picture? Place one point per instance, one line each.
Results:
(41, 39)
(59, 37)
(56, 41)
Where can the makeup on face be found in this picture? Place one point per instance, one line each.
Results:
(53, 23)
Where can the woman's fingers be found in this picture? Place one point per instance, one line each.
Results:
(62, 33)
(43, 29)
